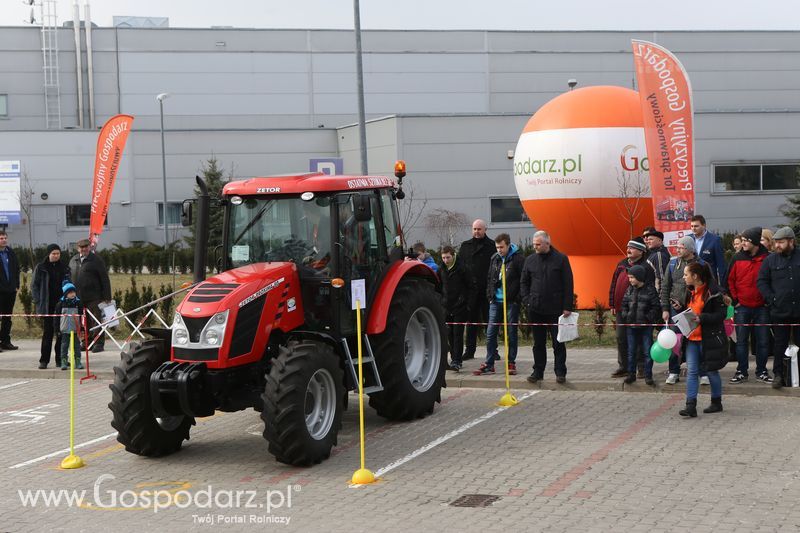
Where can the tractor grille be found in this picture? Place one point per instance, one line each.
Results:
(202, 354)
(244, 331)
(195, 326)
(211, 292)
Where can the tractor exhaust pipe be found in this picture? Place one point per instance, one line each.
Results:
(201, 231)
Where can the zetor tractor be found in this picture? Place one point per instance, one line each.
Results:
(275, 329)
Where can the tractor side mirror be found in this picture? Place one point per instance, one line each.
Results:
(186, 213)
(363, 209)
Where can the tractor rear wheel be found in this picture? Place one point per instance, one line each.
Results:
(303, 403)
(411, 353)
(137, 427)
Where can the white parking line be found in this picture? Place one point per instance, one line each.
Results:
(14, 384)
(65, 450)
(472, 423)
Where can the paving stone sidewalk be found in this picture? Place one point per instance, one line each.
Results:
(588, 369)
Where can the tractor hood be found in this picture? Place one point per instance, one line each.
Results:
(235, 288)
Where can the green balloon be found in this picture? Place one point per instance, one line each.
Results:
(659, 354)
(730, 312)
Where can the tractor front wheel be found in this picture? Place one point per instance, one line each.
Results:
(137, 427)
(303, 403)
(411, 353)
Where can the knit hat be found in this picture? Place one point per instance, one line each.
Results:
(654, 233)
(753, 235)
(52, 248)
(784, 233)
(688, 243)
(68, 286)
(638, 272)
(638, 244)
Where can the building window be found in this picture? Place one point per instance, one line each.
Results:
(79, 215)
(3, 106)
(174, 210)
(756, 177)
(507, 210)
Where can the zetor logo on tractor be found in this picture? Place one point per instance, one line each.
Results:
(274, 329)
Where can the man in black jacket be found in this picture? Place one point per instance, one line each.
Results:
(475, 255)
(779, 284)
(9, 284)
(91, 278)
(547, 293)
(657, 254)
(456, 282)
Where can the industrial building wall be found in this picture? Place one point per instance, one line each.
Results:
(460, 97)
(239, 78)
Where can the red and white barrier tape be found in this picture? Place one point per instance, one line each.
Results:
(661, 324)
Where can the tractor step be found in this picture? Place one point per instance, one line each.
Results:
(367, 362)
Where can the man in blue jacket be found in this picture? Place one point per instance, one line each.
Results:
(508, 262)
(708, 247)
(425, 257)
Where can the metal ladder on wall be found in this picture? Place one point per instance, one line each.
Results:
(50, 69)
(367, 362)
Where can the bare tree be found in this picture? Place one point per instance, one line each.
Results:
(26, 206)
(445, 224)
(410, 208)
(632, 188)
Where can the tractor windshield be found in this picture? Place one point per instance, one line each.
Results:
(264, 229)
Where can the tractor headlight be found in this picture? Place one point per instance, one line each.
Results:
(180, 335)
(212, 337)
(214, 332)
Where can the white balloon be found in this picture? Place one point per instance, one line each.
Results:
(667, 339)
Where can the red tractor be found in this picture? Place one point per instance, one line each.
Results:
(274, 330)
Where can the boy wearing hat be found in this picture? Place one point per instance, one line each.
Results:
(640, 305)
(779, 284)
(635, 255)
(71, 310)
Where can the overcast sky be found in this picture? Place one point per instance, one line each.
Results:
(442, 14)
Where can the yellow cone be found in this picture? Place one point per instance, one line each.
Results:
(71, 461)
(508, 400)
(362, 476)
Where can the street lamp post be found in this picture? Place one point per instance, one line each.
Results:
(160, 99)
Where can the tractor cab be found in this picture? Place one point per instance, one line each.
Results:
(331, 238)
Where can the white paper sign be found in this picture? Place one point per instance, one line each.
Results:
(686, 321)
(109, 310)
(358, 293)
(240, 252)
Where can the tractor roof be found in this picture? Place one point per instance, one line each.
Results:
(300, 183)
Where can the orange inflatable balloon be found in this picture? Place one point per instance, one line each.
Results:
(581, 172)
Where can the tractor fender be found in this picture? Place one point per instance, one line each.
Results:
(376, 322)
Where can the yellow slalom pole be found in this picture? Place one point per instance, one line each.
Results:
(71, 461)
(362, 476)
(508, 399)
